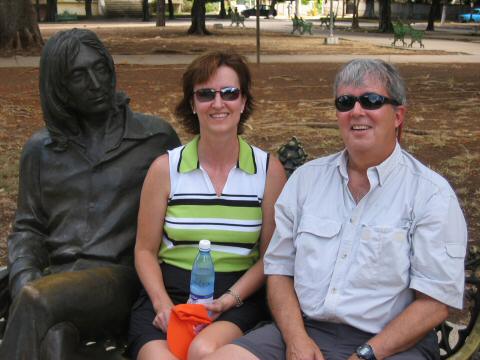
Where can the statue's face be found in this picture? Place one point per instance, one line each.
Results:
(89, 83)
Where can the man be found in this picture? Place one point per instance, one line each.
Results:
(71, 247)
(369, 246)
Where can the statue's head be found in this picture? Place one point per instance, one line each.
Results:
(77, 80)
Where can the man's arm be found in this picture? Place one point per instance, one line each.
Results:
(286, 312)
(27, 255)
(408, 328)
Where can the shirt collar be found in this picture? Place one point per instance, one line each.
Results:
(383, 169)
(189, 157)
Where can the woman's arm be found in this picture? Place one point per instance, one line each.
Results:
(151, 215)
(254, 278)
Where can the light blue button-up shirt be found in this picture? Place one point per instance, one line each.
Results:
(359, 263)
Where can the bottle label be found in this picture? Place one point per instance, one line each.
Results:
(199, 299)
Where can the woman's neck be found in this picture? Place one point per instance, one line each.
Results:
(218, 152)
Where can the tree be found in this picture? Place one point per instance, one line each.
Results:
(355, 24)
(432, 15)
(223, 13)
(88, 8)
(145, 12)
(198, 19)
(171, 15)
(385, 24)
(160, 13)
(18, 25)
(51, 10)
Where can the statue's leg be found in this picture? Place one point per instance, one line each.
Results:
(96, 301)
(60, 341)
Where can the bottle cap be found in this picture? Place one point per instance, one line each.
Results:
(204, 245)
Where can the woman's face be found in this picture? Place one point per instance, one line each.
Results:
(219, 103)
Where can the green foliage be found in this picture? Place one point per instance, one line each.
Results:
(212, 7)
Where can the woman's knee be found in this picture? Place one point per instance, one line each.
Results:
(201, 347)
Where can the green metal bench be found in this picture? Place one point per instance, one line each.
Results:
(66, 16)
(302, 26)
(415, 36)
(325, 21)
(237, 19)
(401, 30)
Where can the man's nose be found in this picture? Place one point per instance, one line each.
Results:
(93, 79)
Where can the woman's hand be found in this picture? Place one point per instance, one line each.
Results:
(220, 305)
(162, 317)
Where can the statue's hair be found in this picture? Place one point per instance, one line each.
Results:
(202, 69)
(57, 57)
(356, 71)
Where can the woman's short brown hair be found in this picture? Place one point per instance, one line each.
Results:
(202, 69)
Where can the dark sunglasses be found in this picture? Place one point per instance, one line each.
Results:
(226, 93)
(369, 101)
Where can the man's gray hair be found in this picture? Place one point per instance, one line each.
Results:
(355, 72)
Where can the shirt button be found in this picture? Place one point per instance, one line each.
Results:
(91, 206)
(334, 290)
(352, 220)
(344, 256)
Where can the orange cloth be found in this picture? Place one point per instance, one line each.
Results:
(181, 327)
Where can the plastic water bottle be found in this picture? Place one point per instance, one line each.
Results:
(202, 280)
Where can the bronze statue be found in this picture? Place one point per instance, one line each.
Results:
(70, 250)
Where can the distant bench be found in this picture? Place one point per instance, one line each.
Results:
(325, 20)
(302, 26)
(401, 30)
(66, 16)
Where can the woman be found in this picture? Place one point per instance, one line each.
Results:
(216, 187)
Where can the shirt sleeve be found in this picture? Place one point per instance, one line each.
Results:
(439, 241)
(27, 255)
(279, 258)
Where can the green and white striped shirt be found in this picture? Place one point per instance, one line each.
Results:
(231, 221)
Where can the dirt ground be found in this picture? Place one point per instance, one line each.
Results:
(442, 127)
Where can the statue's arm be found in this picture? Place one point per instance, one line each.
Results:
(27, 255)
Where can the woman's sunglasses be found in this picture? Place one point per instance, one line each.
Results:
(369, 101)
(226, 93)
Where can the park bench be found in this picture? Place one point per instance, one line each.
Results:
(66, 16)
(325, 20)
(237, 19)
(415, 36)
(454, 344)
(301, 26)
(401, 30)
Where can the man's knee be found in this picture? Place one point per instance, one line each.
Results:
(31, 296)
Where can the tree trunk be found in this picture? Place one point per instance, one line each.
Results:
(37, 9)
(434, 9)
(223, 12)
(198, 19)
(160, 13)
(88, 8)
(385, 23)
(444, 13)
(145, 11)
(171, 12)
(272, 7)
(355, 24)
(18, 25)
(51, 10)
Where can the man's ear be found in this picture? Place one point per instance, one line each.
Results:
(400, 112)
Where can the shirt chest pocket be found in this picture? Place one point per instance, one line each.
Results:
(316, 246)
(383, 257)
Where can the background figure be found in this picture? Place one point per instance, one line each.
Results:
(369, 246)
(221, 189)
(71, 248)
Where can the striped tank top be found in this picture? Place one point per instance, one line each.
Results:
(231, 221)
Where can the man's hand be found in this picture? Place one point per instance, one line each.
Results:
(303, 348)
(354, 357)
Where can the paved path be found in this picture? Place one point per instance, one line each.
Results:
(462, 45)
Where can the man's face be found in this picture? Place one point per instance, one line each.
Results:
(369, 133)
(89, 83)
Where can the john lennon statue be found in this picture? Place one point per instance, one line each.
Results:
(70, 252)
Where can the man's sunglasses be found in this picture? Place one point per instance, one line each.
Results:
(369, 101)
(226, 93)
